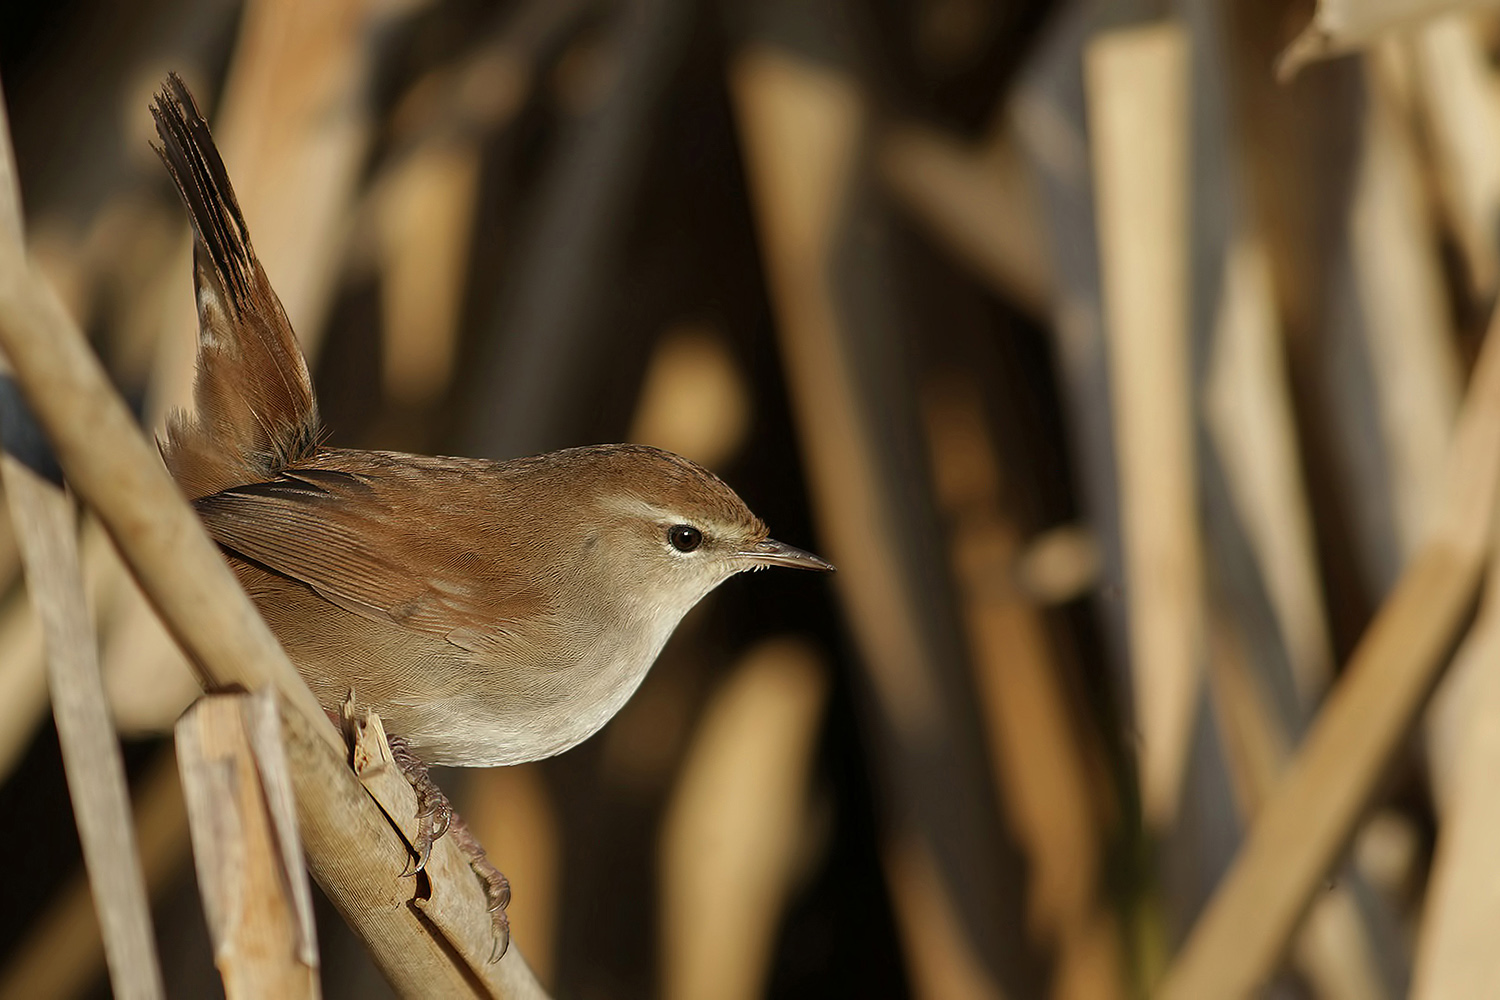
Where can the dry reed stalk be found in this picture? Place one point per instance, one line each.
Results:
(1455, 952)
(1248, 410)
(1037, 757)
(1342, 26)
(63, 954)
(981, 202)
(239, 805)
(548, 343)
(941, 961)
(147, 682)
(46, 532)
(731, 834)
(1303, 827)
(1136, 82)
(95, 769)
(800, 124)
(424, 209)
(447, 880)
(1461, 110)
(694, 400)
(1332, 948)
(1408, 324)
(803, 127)
(358, 842)
(424, 198)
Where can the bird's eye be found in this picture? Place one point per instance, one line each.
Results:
(684, 537)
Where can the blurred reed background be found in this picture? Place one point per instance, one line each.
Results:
(1112, 350)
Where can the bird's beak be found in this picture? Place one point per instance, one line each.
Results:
(774, 553)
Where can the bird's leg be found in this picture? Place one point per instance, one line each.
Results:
(434, 811)
(437, 817)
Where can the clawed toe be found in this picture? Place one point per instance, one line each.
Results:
(435, 819)
(434, 812)
(496, 887)
(501, 925)
(496, 892)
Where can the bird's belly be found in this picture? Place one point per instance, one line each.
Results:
(522, 726)
(453, 708)
(461, 714)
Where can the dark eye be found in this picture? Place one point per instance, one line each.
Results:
(684, 537)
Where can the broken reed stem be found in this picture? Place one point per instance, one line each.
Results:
(348, 835)
(239, 805)
(112, 467)
(1298, 835)
(46, 533)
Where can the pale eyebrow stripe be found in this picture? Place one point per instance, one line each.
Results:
(635, 507)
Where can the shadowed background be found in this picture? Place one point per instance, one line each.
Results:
(1114, 372)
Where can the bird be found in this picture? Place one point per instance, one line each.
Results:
(492, 612)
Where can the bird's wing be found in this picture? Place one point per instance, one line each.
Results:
(394, 544)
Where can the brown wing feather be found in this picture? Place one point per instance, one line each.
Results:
(255, 409)
(386, 546)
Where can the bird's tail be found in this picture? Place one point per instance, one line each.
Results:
(255, 408)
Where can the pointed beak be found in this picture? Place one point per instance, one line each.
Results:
(773, 553)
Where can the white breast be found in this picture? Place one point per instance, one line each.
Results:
(518, 713)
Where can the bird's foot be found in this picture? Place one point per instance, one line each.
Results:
(436, 818)
(434, 811)
(496, 885)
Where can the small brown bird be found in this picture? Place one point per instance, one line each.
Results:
(491, 612)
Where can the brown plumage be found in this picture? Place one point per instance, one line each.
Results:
(492, 612)
(255, 409)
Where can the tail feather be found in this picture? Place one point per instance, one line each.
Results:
(256, 413)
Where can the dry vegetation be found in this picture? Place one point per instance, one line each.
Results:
(1132, 362)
